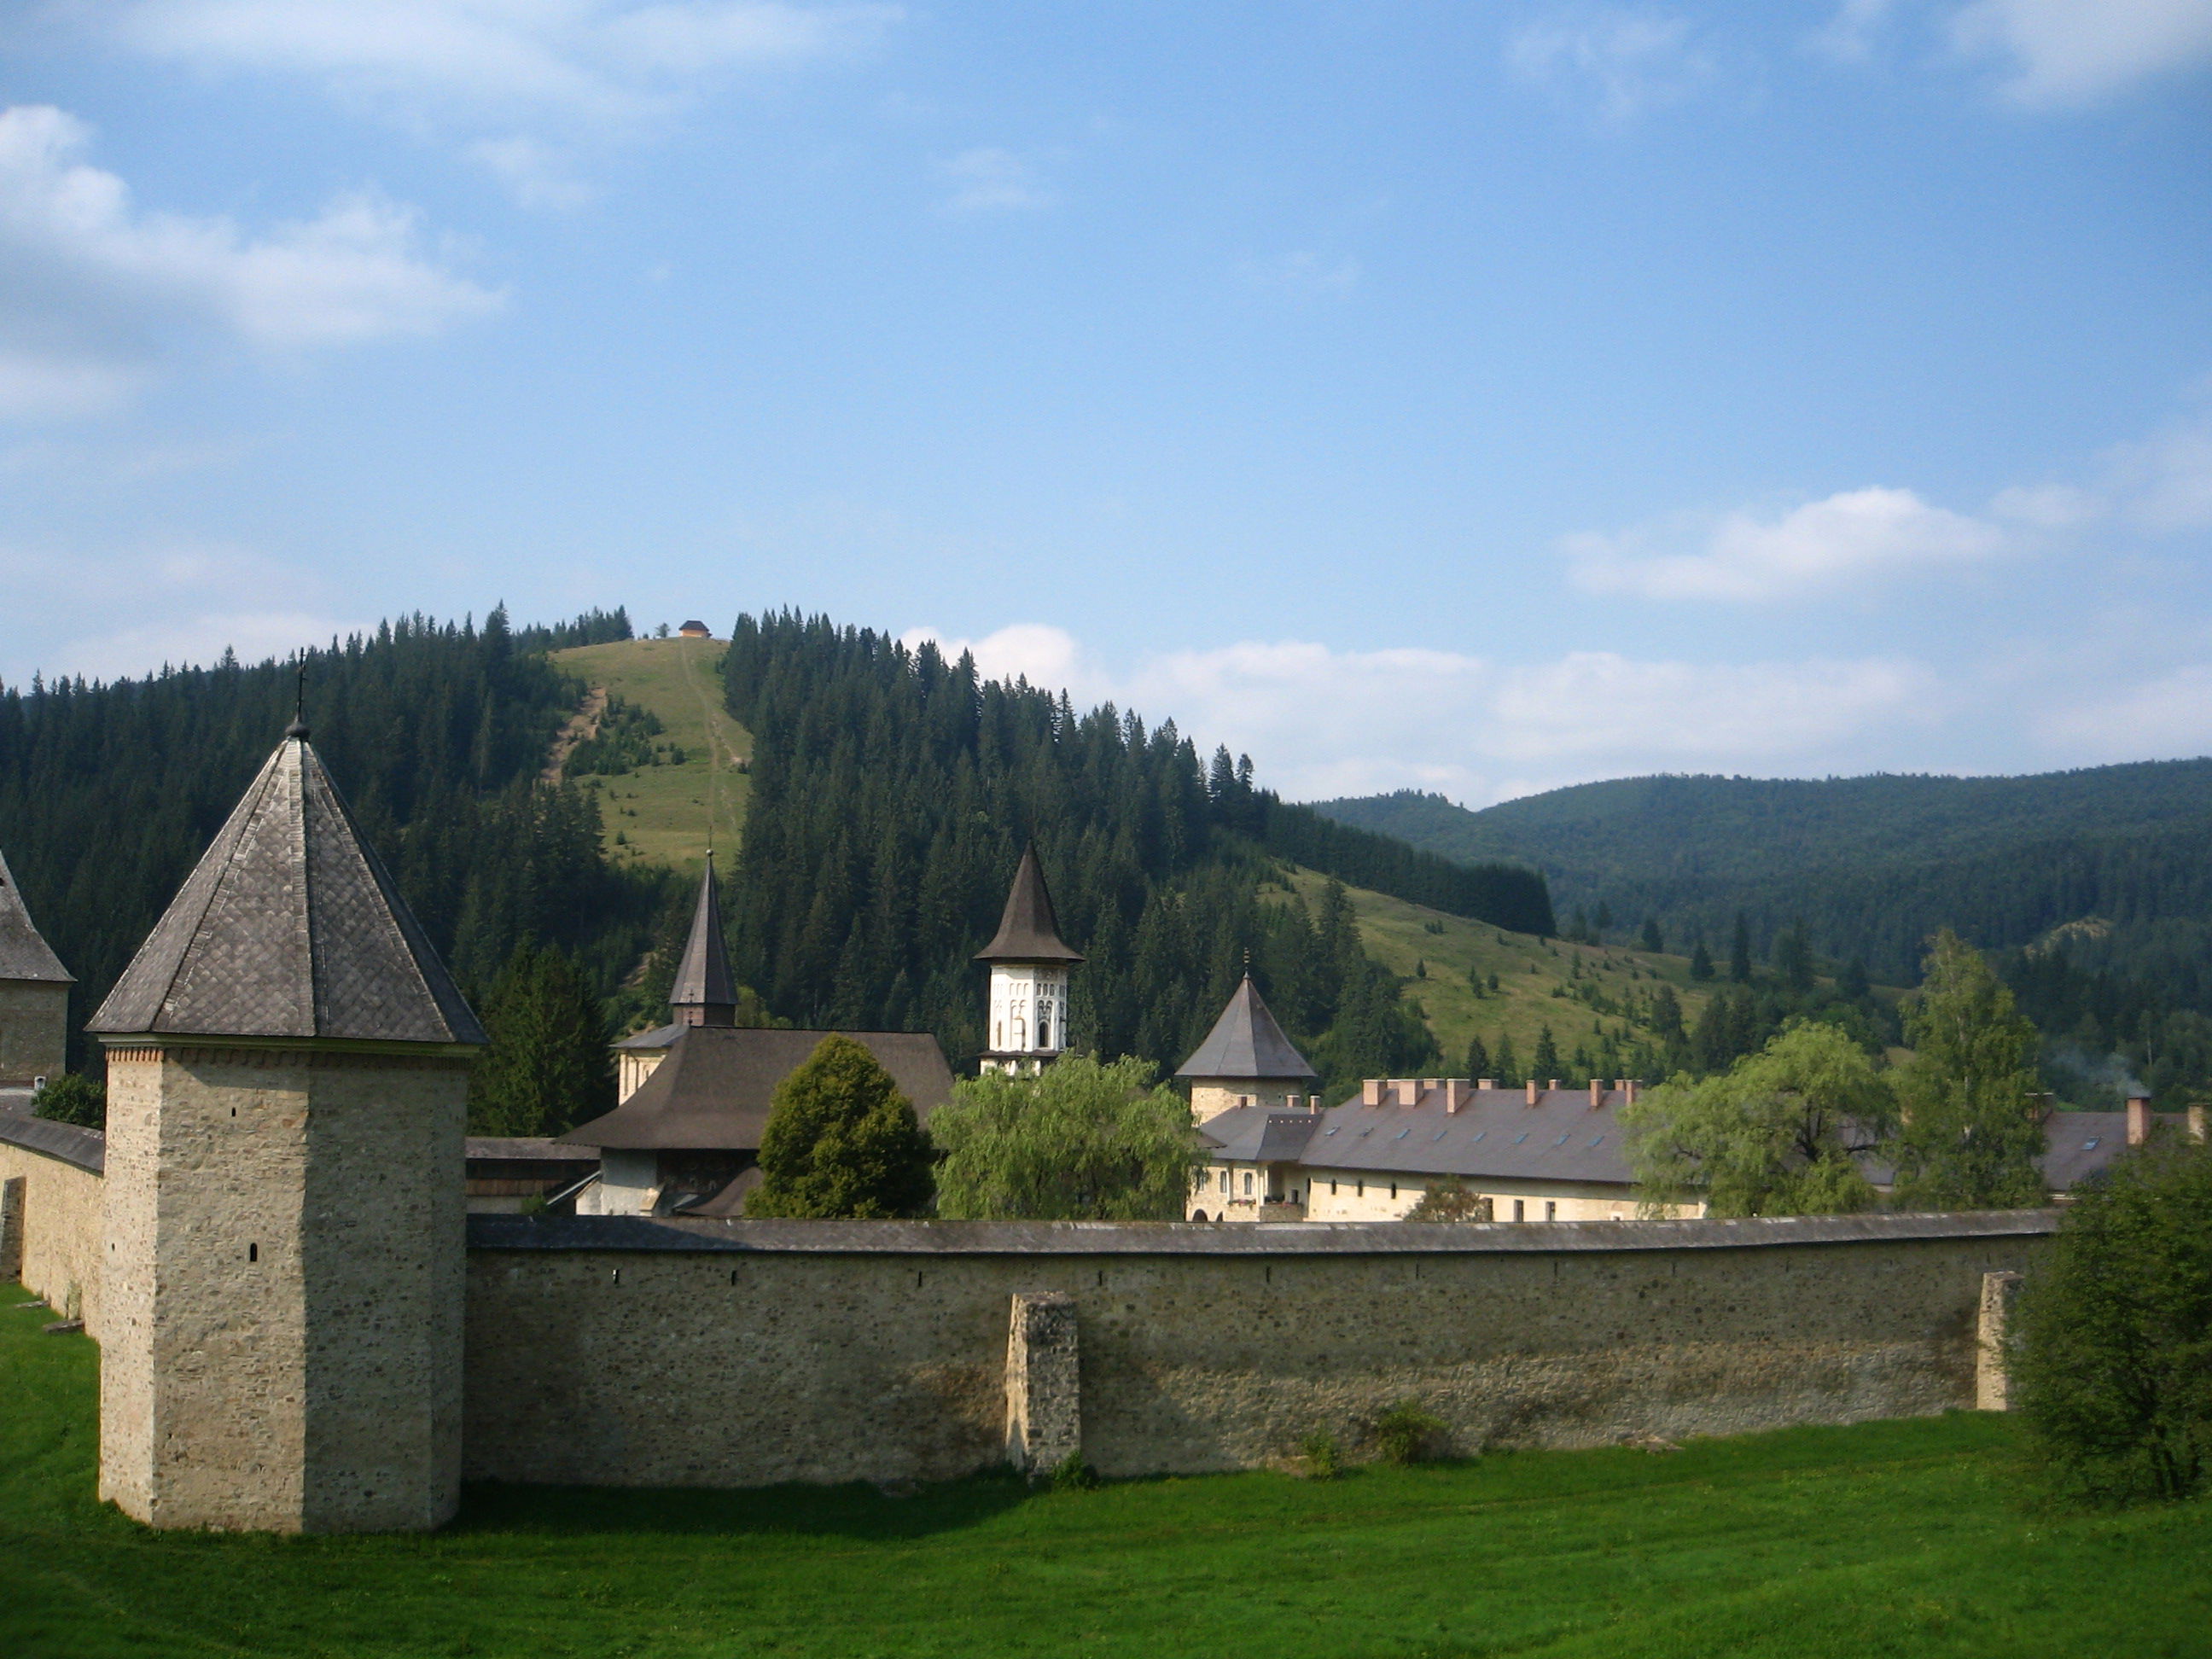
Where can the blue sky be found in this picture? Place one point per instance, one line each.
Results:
(1481, 397)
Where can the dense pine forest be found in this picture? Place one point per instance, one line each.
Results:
(2093, 887)
(893, 792)
(437, 732)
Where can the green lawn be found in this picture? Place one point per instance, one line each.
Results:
(1891, 1538)
(661, 812)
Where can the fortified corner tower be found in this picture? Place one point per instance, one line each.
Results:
(1029, 977)
(34, 990)
(287, 1066)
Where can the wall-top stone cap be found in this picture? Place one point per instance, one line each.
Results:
(289, 926)
(1029, 931)
(24, 953)
(1247, 1042)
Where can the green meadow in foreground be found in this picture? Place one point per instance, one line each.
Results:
(1889, 1538)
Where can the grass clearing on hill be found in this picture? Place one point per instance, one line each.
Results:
(1531, 971)
(1902, 1538)
(661, 810)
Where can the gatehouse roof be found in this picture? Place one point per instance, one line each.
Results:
(1029, 931)
(1247, 1042)
(289, 926)
(24, 952)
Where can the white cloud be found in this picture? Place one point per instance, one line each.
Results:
(1853, 536)
(1636, 61)
(2076, 51)
(591, 60)
(533, 174)
(2170, 716)
(2166, 482)
(1320, 722)
(992, 181)
(1848, 37)
(97, 288)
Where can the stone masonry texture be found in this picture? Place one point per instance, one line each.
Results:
(282, 1340)
(60, 1232)
(603, 1351)
(33, 1029)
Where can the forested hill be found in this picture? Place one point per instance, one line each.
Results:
(893, 791)
(1872, 865)
(436, 732)
(2096, 885)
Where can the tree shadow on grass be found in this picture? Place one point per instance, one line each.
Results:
(855, 1510)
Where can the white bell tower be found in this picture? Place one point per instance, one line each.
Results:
(1030, 965)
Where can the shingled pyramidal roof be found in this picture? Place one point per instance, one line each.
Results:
(1246, 1042)
(289, 926)
(1028, 932)
(702, 978)
(24, 954)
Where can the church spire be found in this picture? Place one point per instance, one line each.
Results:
(1028, 1006)
(704, 993)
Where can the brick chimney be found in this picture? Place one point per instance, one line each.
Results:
(1313, 1103)
(1597, 1094)
(1485, 1083)
(1532, 1092)
(1371, 1092)
(1455, 1093)
(1409, 1091)
(2138, 1119)
(1553, 1085)
(1628, 1088)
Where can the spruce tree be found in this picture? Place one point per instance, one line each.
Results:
(1739, 952)
(1507, 1062)
(1478, 1057)
(1701, 962)
(547, 1067)
(1546, 1064)
(1654, 940)
(841, 1142)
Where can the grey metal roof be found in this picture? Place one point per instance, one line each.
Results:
(702, 977)
(528, 1149)
(1247, 1042)
(1496, 1134)
(1028, 931)
(658, 1037)
(85, 1148)
(24, 953)
(713, 1091)
(1038, 1241)
(289, 926)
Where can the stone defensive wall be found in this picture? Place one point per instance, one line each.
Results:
(608, 1351)
(50, 1233)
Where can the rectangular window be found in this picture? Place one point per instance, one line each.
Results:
(1247, 1183)
(1551, 1210)
(1359, 1189)
(1394, 1189)
(1332, 1189)
(1224, 1181)
(1520, 1210)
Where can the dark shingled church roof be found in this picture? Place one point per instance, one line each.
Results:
(23, 953)
(1028, 932)
(713, 1091)
(1245, 1042)
(702, 978)
(289, 926)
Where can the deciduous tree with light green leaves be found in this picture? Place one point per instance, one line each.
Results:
(1080, 1141)
(1774, 1134)
(1970, 1134)
(841, 1143)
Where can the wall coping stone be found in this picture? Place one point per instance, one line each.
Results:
(673, 1233)
(85, 1148)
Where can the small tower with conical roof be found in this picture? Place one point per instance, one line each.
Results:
(34, 994)
(1246, 1055)
(1029, 977)
(287, 1073)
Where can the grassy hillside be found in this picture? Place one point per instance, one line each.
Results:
(1574, 989)
(1905, 1538)
(661, 812)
